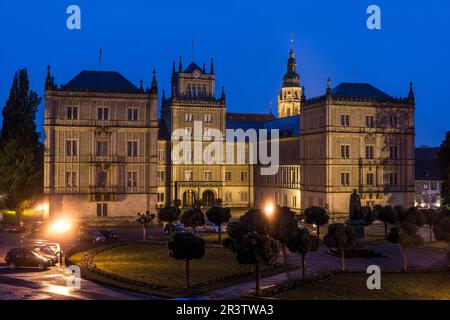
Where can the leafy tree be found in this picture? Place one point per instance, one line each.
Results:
(302, 241)
(256, 249)
(441, 229)
(341, 237)
(431, 217)
(406, 235)
(255, 220)
(386, 215)
(193, 218)
(145, 219)
(169, 215)
(368, 214)
(400, 213)
(186, 246)
(444, 162)
(218, 216)
(21, 153)
(317, 216)
(282, 225)
(236, 232)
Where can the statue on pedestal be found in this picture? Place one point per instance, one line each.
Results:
(355, 212)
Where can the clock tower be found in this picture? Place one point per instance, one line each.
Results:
(290, 97)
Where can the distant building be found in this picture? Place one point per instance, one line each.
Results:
(107, 154)
(101, 135)
(428, 178)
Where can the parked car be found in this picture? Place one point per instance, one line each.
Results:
(212, 227)
(47, 253)
(109, 236)
(26, 258)
(17, 227)
(92, 236)
(176, 227)
(52, 246)
(98, 236)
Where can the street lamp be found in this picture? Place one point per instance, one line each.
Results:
(269, 209)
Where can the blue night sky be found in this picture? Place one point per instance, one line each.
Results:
(249, 42)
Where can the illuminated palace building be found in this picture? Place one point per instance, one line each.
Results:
(108, 155)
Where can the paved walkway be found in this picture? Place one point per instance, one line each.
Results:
(320, 261)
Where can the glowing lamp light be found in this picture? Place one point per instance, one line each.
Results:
(269, 209)
(60, 226)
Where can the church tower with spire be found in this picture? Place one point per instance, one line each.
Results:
(290, 97)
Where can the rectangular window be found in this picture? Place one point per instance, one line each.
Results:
(161, 155)
(71, 147)
(345, 151)
(132, 179)
(208, 175)
(102, 209)
(369, 152)
(228, 176)
(370, 179)
(72, 113)
(244, 176)
(102, 177)
(102, 148)
(207, 118)
(393, 152)
(345, 120)
(132, 114)
(393, 182)
(345, 178)
(433, 185)
(188, 175)
(160, 197)
(161, 176)
(425, 186)
(393, 121)
(132, 148)
(426, 198)
(228, 196)
(188, 117)
(102, 113)
(370, 122)
(71, 179)
(244, 196)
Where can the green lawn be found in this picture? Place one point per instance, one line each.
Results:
(393, 286)
(151, 263)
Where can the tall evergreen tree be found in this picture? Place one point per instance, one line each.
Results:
(21, 153)
(444, 161)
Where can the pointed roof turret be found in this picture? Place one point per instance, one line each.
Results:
(49, 80)
(291, 78)
(154, 87)
(212, 66)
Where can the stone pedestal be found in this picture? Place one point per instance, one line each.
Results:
(359, 227)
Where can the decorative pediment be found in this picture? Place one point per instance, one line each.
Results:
(370, 138)
(103, 132)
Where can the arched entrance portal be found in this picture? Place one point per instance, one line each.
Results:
(208, 198)
(189, 198)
